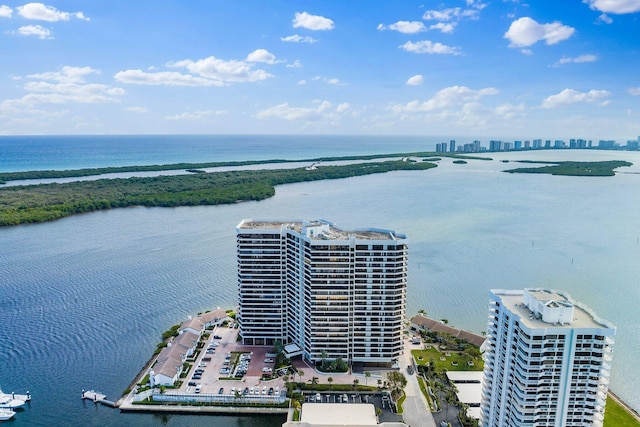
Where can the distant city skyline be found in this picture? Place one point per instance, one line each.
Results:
(466, 68)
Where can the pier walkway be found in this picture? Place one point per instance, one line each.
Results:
(97, 398)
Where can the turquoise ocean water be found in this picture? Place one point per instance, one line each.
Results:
(83, 300)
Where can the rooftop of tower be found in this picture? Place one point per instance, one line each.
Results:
(531, 309)
(321, 230)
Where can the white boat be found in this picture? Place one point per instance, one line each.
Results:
(6, 414)
(8, 402)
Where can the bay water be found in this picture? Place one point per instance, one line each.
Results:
(83, 300)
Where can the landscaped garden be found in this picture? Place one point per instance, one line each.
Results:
(442, 359)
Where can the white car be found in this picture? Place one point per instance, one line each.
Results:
(268, 360)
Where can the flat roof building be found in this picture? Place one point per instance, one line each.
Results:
(323, 290)
(547, 361)
(340, 415)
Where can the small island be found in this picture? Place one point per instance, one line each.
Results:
(606, 168)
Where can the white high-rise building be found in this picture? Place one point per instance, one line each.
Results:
(324, 291)
(547, 361)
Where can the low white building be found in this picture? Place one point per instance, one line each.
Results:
(339, 415)
(166, 370)
(198, 324)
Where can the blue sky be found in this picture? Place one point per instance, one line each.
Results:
(476, 68)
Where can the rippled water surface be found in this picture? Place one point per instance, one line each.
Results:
(83, 300)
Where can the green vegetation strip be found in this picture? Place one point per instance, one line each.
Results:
(616, 415)
(48, 202)
(425, 393)
(400, 403)
(196, 167)
(575, 168)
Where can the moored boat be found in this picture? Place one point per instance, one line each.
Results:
(8, 402)
(6, 414)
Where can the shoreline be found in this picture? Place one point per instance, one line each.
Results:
(125, 403)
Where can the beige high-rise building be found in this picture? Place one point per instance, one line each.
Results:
(324, 292)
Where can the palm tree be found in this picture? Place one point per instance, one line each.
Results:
(324, 355)
(300, 374)
(367, 375)
(314, 382)
(355, 384)
(379, 383)
(329, 380)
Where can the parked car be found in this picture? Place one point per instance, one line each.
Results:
(221, 391)
(192, 383)
(410, 369)
(268, 360)
(217, 337)
(270, 391)
(198, 388)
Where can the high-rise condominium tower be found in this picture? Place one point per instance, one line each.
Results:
(547, 361)
(322, 291)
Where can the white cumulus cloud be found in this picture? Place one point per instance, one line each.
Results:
(405, 27)
(67, 74)
(427, 46)
(35, 30)
(571, 96)
(261, 55)
(447, 27)
(578, 59)
(287, 112)
(295, 64)
(62, 87)
(415, 80)
(525, 32)
(614, 6)
(635, 91)
(442, 15)
(222, 71)
(162, 78)
(312, 22)
(445, 98)
(42, 12)
(296, 38)
(5, 11)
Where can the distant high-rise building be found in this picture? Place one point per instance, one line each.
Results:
(441, 147)
(547, 143)
(452, 146)
(606, 144)
(537, 143)
(322, 291)
(527, 144)
(517, 145)
(496, 145)
(547, 361)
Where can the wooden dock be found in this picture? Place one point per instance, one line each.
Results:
(96, 397)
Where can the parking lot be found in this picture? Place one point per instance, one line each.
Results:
(221, 358)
